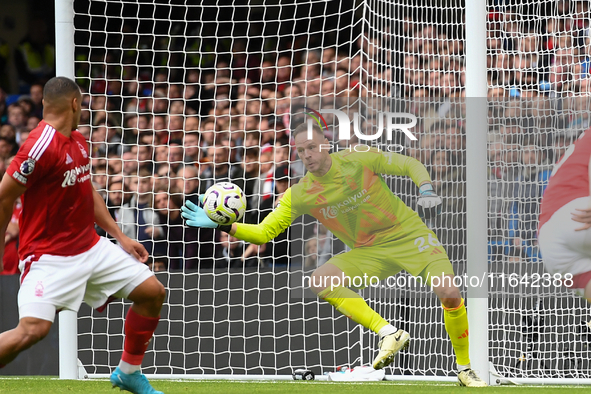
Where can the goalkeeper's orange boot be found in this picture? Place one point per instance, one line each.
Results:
(390, 345)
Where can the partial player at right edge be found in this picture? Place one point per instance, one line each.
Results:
(564, 231)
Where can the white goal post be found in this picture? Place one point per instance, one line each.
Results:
(476, 193)
(64, 48)
(490, 83)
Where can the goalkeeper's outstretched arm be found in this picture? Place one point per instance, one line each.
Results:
(429, 203)
(395, 164)
(273, 225)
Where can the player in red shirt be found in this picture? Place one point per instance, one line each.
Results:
(62, 260)
(564, 242)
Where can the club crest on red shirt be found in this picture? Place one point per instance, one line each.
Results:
(82, 149)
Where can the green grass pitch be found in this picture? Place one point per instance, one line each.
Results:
(53, 385)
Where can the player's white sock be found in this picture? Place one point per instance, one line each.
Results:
(463, 367)
(387, 330)
(128, 368)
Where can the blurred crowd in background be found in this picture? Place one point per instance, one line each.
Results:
(165, 124)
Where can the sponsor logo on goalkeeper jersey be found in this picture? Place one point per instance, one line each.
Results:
(347, 205)
(329, 212)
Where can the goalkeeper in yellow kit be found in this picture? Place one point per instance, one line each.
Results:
(346, 193)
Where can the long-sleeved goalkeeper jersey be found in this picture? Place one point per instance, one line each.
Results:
(352, 200)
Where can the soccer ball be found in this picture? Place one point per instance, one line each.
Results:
(224, 203)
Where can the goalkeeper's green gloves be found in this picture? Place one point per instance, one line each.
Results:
(429, 204)
(195, 216)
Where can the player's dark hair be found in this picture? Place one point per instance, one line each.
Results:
(304, 128)
(58, 88)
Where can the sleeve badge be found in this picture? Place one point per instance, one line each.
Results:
(27, 167)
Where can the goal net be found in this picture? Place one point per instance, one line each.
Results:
(181, 96)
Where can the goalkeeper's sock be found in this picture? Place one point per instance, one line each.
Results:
(456, 325)
(387, 330)
(354, 307)
(138, 331)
